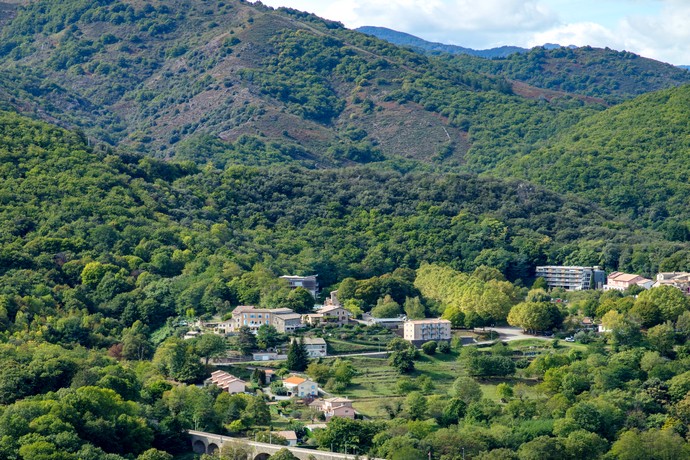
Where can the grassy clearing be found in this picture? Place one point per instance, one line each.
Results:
(353, 341)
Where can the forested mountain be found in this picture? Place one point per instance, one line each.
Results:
(101, 249)
(605, 73)
(65, 205)
(403, 39)
(214, 146)
(165, 80)
(632, 158)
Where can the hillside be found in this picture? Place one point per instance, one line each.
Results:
(404, 39)
(165, 80)
(106, 257)
(143, 214)
(601, 73)
(632, 158)
(604, 73)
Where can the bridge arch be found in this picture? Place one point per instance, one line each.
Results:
(212, 449)
(199, 447)
(262, 456)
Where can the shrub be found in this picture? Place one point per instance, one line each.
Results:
(429, 348)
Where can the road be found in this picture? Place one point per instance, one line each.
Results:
(509, 334)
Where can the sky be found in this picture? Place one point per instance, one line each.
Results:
(658, 29)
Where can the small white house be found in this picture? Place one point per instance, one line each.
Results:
(300, 387)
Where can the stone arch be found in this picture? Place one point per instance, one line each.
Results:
(262, 456)
(212, 449)
(199, 447)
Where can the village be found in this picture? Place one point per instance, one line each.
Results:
(298, 395)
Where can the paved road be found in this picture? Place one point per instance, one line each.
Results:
(373, 354)
(508, 334)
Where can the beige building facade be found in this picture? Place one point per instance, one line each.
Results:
(423, 330)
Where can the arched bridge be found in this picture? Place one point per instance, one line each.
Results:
(209, 443)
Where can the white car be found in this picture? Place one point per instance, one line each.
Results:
(569, 339)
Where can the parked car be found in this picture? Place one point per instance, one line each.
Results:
(570, 339)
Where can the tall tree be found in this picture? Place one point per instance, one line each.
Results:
(210, 345)
(135, 342)
(402, 355)
(267, 337)
(298, 357)
(246, 341)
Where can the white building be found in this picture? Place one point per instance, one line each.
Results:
(301, 387)
(572, 278)
(316, 346)
(679, 280)
(423, 330)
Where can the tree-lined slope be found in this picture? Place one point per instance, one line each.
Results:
(604, 73)
(166, 79)
(632, 158)
(135, 238)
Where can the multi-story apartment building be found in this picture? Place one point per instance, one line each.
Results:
(423, 330)
(286, 323)
(331, 314)
(572, 278)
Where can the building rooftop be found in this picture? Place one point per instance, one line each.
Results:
(428, 320)
(294, 380)
(253, 309)
(328, 308)
(286, 316)
(311, 340)
(574, 267)
(625, 277)
(288, 434)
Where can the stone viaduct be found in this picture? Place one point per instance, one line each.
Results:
(209, 443)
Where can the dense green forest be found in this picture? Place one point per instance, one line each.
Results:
(611, 75)
(158, 79)
(101, 250)
(631, 158)
(161, 162)
(608, 74)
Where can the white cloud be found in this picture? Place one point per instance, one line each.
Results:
(653, 28)
(464, 22)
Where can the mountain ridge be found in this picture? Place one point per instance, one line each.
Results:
(139, 77)
(405, 39)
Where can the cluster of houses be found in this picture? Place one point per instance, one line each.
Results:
(287, 321)
(577, 278)
(296, 386)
